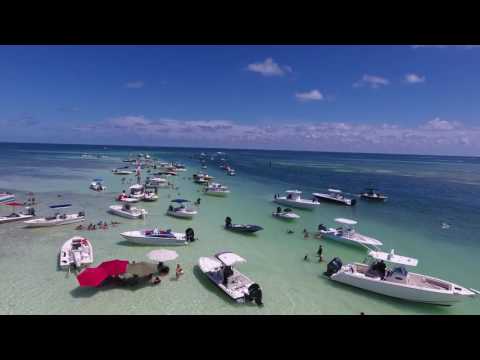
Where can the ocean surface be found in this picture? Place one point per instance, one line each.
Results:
(424, 192)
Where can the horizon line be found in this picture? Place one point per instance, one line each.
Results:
(226, 148)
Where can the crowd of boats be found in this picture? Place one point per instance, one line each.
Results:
(373, 274)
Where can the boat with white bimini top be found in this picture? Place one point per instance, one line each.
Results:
(76, 252)
(97, 185)
(373, 195)
(286, 214)
(347, 234)
(216, 189)
(158, 237)
(374, 275)
(128, 211)
(57, 219)
(182, 211)
(293, 199)
(335, 196)
(137, 191)
(28, 213)
(219, 269)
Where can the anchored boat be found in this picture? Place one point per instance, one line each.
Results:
(335, 196)
(396, 281)
(76, 252)
(127, 211)
(57, 219)
(293, 199)
(181, 211)
(159, 237)
(347, 234)
(219, 269)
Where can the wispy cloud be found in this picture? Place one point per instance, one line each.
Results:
(313, 95)
(435, 135)
(269, 68)
(414, 78)
(135, 84)
(372, 81)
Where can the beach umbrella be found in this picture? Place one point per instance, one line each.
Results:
(142, 268)
(114, 267)
(162, 255)
(92, 277)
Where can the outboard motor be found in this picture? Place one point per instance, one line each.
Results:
(333, 267)
(228, 221)
(190, 235)
(254, 294)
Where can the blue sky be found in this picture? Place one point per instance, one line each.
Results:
(394, 99)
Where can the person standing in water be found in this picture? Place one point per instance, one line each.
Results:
(319, 253)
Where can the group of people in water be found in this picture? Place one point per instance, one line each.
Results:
(102, 225)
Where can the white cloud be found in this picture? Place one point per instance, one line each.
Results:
(269, 68)
(414, 78)
(135, 84)
(438, 124)
(371, 80)
(440, 136)
(313, 95)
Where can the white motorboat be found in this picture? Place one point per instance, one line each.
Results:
(157, 237)
(287, 214)
(293, 199)
(127, 199)
(179, 167)
(122, 171)
(150, 196)
(157, 182)
(6, 198)
(56, 220)
(335, 196)
(347, 234)
(97, 185)
(181, 211)
(28, 213)
(76, 252)
(230, 172)
(219, 269)
(137, 191)
(216, 189)
(373, 195)
(127, 211)
(397, 282)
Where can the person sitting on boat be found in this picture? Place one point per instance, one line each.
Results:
(275, 196)
(289, 196)
(155, 231)
(279, 210)
(322, 227)
(382, 267)
(227, 272)
(63, 216)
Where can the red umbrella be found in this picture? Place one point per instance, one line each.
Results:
(114, 267)
(92, 277)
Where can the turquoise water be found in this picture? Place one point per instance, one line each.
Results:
(424, 192)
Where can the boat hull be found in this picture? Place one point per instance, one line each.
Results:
(137, 237)
(117, 210)
(217, 193)
(5, 219)
(399, 291)
(181, 215)
(348, 241)
(297, 204)
(38, 223)
(325, 197)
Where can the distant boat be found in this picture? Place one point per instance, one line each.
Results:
(347, 234)
(77, 251)
(157, 237)
(293, 199)
(373, 195)
(335, 196)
